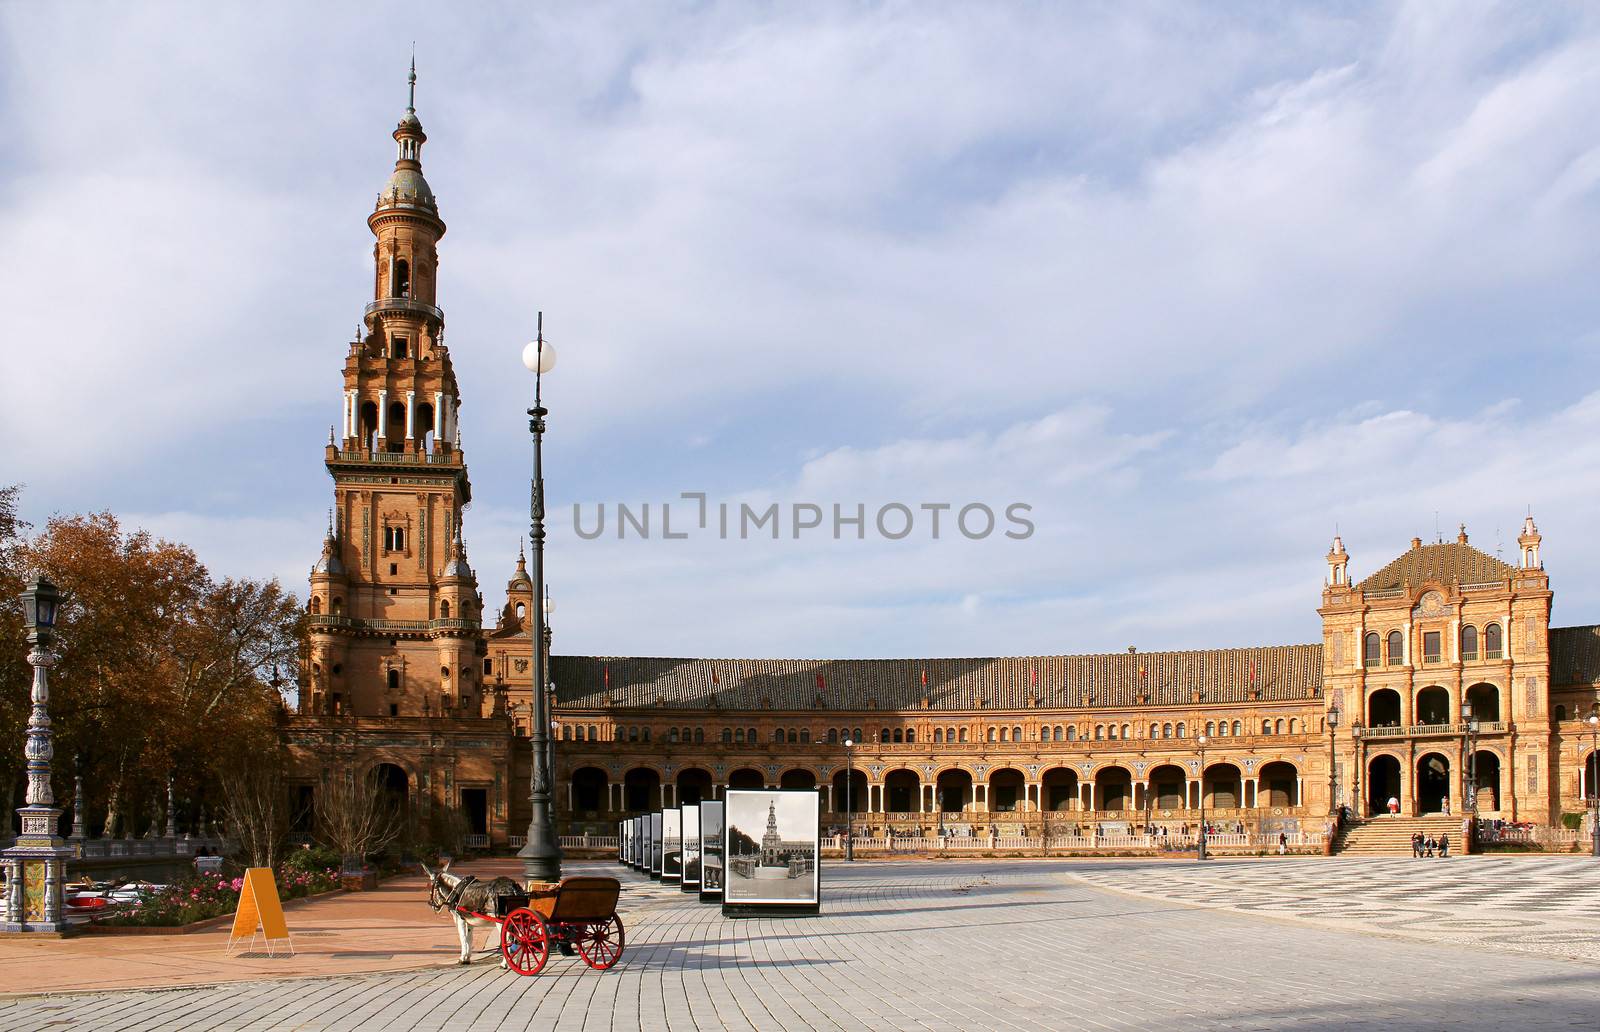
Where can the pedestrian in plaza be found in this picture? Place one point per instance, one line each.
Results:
(1394, 807)
(1444, 806)
(1430, 844)
(1283, 843)
(1416, 844)
(1444, 845)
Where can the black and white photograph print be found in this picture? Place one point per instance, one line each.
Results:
(691, 846)
(771, 847)
(671, 845)
(710, 848)
(655, 845)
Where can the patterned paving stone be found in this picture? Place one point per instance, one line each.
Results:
(979, 945)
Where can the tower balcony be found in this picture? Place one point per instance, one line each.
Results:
(405, 306)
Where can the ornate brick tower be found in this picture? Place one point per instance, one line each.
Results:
(394, 558)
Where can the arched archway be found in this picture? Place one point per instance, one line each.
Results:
(954, 789)
(902, 792)
(694, 784)
(1167, 787)
(1591, 777)
(1433, 783)
(395, 785)
(1383, 783)
(1060, 789)
(797, 777)
(1433, 705)
(641, 790)
(746, 777)
(1484, 773)
(1484, 699)
(1113, 788)
(589, 790)
(1007, 791)
(1223, 787)
(1383, 708)
(1278, 784)
(853, 797)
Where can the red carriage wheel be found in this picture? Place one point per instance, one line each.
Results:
(524, 941)
(600, 942)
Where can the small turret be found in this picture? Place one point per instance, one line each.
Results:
(1338, 564)
(1528, 542)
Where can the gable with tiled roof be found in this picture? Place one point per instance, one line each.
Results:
(1443, 563)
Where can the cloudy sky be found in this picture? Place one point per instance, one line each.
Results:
(1196, 283)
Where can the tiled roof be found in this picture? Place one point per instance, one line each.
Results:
(1004, 683)
(1575, 655)
(1446, 562)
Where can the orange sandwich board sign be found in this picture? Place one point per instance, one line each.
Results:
(259, 913)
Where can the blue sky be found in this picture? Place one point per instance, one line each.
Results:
(1197, 284)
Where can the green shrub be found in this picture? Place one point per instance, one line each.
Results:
(1572, 821)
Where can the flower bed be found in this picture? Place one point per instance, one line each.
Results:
(207, 897)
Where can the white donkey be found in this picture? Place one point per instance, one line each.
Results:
(465, 895)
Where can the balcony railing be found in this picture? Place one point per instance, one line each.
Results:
(413, 458)
(1485, 727)
(404, 304)
(351, 623)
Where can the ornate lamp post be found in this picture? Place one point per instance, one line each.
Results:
(36, 864)
(1334, 713)
(1472, 759)
(1594, 789)
(849, 802)
(1355, 771)
(1200, 853)
(541, 854)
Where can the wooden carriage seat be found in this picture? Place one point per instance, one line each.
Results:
(579, 898)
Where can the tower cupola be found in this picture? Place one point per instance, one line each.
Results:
(1528, 542)
(1338, 564)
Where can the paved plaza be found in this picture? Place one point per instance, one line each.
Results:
(1265, 944)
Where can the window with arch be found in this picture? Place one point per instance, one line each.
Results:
(777, 734)
(1469, 642)
(1183, 729)
(950, 734)
(633, 734)
(644, 734)
(883, 734)
(738, 736)
(1127, 731)
(993, 734)
(1238, 729)
(1266, 727)
(899, 735)
(566, 733)
(1397, 648)
(794, 736)
(727, 736)
(1111, 732)
(1561, 713)
(1294, 725)
(402, 279)
(1371, 649)
(1155, 730)
(805, 736)
(394, 679)
(316, 604)
(1491, 641)
(963, 736)
(938, 736)
(1072, 732)
(751, 735)
(1211, 727)
(833, 736)
(444, 609)
(1099, 732)
(672, 735)
(1166, 730)
(911, 736)
(1278, 725)
(1016, 734)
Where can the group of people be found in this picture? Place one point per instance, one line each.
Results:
(1426, 846)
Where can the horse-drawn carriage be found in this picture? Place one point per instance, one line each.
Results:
(576, 915)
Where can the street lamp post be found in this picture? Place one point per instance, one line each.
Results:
(849, 802)
(1594, 775)
(1472, 760)
(35, 864)
(1355, 771)
(541, 854)
(1334, 713)
(1201, 852)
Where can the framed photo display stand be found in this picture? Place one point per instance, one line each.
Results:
(639, 837)
(711, 850)
(771, 844)
(691, 848)
(671, 846)
(655, 845)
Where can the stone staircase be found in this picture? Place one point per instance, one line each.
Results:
(1391, 836)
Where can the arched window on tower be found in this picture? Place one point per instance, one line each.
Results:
(402, 279)
(369, 425)
(394, 680)
(938, 736)
(444, 609)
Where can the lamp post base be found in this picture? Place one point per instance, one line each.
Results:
(541, 858)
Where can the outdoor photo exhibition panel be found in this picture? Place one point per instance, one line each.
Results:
(638, 843)
(671, 846)
(770, 847)
(691, 848)
(655, 846)
(710, 851)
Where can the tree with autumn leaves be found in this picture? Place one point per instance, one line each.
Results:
(162, 670)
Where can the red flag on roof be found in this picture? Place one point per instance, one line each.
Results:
(607, 669)
(1141, 669)
(1252, 671)
(1034, 671)
(821, 684)
(924, 677)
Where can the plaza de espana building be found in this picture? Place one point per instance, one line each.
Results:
(408, 676)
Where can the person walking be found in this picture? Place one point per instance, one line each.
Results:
(1394, 807)
(1283, 843)
(1444, 845)
(1416, 845)
(1430, 845)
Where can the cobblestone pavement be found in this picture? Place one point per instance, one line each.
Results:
(949, 945)
(1548, 905)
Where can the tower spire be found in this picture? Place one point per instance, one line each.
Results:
(411, 82)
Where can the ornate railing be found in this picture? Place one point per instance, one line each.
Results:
(403, 304)
(403, 457)
(331, 620)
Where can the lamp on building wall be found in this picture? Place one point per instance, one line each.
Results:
(1334, 713)
(1200, 853)
(849, 802)
(541, 854)
(35, 865)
